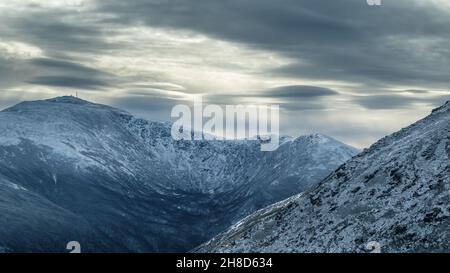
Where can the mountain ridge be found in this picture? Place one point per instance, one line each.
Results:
(395, 193)
(135, 186)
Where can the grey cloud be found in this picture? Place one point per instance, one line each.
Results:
(56, 32)
(67, 66)
(438, 100)
(69, 82)
(299, 91)
(416, 91)
(288, 92)
(14, 72)
(291, 97)
(304, 105)
(149, 103)
(248, 21)
(393, 101)
(69, 74)
(401, 43)
(160, 86)
(344, 40)
(301, 97)
(383, 101)
(158, 93)
(221, 99)
(150, 107)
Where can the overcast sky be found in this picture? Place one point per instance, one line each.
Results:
(341, 68)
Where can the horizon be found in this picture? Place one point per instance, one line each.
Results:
(345, 69)
(281, 136)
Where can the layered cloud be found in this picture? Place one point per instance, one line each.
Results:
(334, 63)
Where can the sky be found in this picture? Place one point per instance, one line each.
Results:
(341, 68)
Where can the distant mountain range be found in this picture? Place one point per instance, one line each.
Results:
(394, 196)
(71, 170)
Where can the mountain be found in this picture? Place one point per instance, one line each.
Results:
(396, 194)
(71, 170)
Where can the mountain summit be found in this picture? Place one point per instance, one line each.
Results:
(396, 194)
(75, 170)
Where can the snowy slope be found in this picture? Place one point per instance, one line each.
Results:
(138, 189)
(396, 193)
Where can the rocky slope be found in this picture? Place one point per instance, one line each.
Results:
(71, 170)
(395, 193)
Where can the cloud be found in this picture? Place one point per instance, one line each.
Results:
(416, 91)
(344, 40)
(384, 101)
(70, 74)
(54, 35)
(154, 108)
(299, 91)
(153, 103)
(69, 82)
(289, 98)
(159, 86)
(395, 102)
(13, 72)
(57, 31)
(67, 66)
(147, 55)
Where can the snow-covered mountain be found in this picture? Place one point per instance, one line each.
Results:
(71, 170)
(396, 194)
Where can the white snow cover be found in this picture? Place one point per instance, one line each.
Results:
(91, 135)
(395, 193)
(130, 180)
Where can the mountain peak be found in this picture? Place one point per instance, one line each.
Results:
(315, 138)
(443, 108)
(394, 193)
(65, 104)
(96, 168)
(68, 99)
(318, 136)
